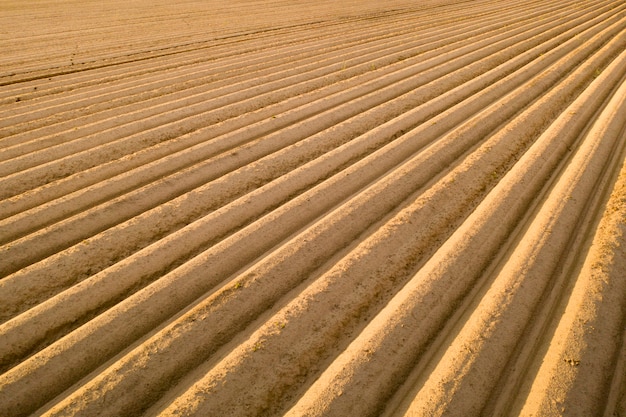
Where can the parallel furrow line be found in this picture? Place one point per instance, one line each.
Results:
(248, 72)
(15, 248)
(496, 109)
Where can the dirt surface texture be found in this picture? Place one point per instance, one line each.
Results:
(313, 208)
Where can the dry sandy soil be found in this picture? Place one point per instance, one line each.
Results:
(312, 208)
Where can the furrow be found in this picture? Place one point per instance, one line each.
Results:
(133, 233)
(127, 386)
(246, 73)
(147, 47)
(408, 47)
(103, 62)
(253, 50)
(264, 57)
(517, 288)
(14, 207)
(404, 330)
(286, 208)
(369, 37)
(581, 346)
(27, 217)
(65, 166)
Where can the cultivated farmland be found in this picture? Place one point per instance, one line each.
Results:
(298, 208)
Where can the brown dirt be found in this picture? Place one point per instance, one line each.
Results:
(320, 208)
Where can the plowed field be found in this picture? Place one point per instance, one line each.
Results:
(298, 208)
